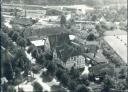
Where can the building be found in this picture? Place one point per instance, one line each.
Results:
(44, 44)
(92, 46)
(69, 51)
(38, 43)
(76, 61)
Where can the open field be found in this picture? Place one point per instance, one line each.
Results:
(119, 44)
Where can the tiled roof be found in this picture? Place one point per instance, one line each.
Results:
(50, 30)
(97, 69)
(23, 21)
(88, 43)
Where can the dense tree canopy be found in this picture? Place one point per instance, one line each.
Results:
(81, 88)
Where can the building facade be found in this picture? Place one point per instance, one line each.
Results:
(76, 61)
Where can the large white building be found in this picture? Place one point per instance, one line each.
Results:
(42, 43)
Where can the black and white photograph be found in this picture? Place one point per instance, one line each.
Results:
(63, 46)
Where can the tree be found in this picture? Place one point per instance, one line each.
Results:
(37, 87)
(21, 90)
(21, 42)
(28, 42)
(51, 68)
(35, 53)
(122, 74)
(10, 33)
(116, 60)
(31, 48)
(127, 82)
(17, 71)
(74, 73)
(5, 40)
(20, 53)
(84, 80)
(58, 88)
(72, 85)
(7, 64)
(11, 88)
(48, 56)
(36, 69)
(108, 83)
(21, 61)
(91, 37)
(41, 59)
(15, 36)
(121, 85)
(94, 18)
(22, 64)
(100, 30)
(63, 21)
(81, 88)
(4, 28)
(65, 79)
(59, 73)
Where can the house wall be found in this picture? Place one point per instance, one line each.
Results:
(78, 61)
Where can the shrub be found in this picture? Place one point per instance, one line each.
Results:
(108, 84)
(48, 56)
(28, 42)
(10, 33)
(31, 48)
(14, 36)
(91, 37)
(46, 77)
(65, 79)
(37, 87)
(74, 73)
(122, 74)
(84, 80)
(72, 85)
(20, 90)
(17, 81)
(51, 68)
(121, 85)
(59, 73)
(21, 42)
(116, 61)
(81, 88)
(35, 53)
(58, 88)
(36, 69)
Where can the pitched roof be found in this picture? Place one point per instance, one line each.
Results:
(49, 30)
(98, 69)
(38, 42)
(23, 21)
(95, 43)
